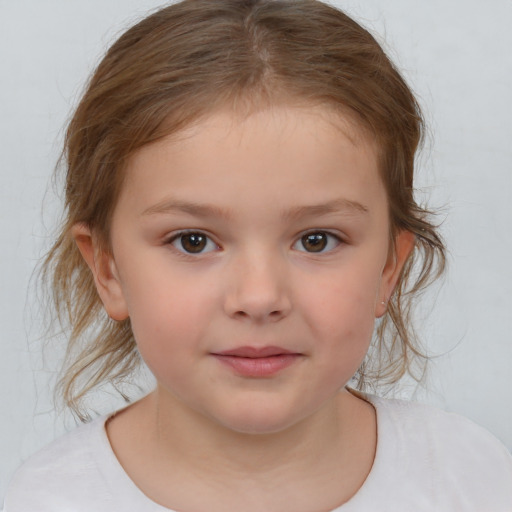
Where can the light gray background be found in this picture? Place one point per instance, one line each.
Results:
(455, 54)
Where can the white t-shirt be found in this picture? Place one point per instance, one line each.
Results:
(426, 460)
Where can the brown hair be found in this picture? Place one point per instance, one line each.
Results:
(178, 65)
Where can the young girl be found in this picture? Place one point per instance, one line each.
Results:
(239, 212)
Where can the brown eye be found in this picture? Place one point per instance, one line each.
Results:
(319, 241)
(314, 242)
(193, 243)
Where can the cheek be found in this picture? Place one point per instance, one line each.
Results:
(168, 316)
(347, 302)
(341, 312)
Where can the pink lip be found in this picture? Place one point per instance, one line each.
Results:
(255, 352)
(257, 362)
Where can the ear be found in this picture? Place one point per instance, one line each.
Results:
(403, 246)
(104, 271)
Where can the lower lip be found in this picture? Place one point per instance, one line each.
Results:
(258, 366)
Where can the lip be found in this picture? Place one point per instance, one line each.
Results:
(257, 361)
(255, 352)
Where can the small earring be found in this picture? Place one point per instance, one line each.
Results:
(383, 302)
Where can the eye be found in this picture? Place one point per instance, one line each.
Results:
(317, 241)
(192, 242)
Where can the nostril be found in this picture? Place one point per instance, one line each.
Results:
(257, 303)
(273, 315)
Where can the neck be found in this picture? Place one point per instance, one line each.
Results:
(184, 460)
(201, 443)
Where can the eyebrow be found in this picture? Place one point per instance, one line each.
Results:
(196, 209)
(344, 206)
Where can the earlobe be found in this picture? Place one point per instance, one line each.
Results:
(104, 271)
(403, 246)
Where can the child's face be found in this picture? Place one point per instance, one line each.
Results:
(267, 233)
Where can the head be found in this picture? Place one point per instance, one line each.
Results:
(176, 69)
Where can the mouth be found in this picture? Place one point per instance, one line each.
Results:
(257, 362)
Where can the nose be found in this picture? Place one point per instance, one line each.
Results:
(258, 290)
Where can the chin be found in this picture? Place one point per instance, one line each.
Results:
(259, 418)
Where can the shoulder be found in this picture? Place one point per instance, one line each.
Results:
(461, 461)
(60, 474)
(446, 430)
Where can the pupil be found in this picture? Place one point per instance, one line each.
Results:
(314, 242)
(194, 242)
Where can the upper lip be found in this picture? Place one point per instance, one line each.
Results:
(255, 352)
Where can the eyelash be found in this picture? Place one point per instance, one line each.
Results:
(178, 239)
(175, 239)
(330, 235)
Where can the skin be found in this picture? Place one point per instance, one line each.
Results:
(295, 440)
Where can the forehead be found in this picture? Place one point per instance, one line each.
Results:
(322, 121)
(293, 151)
